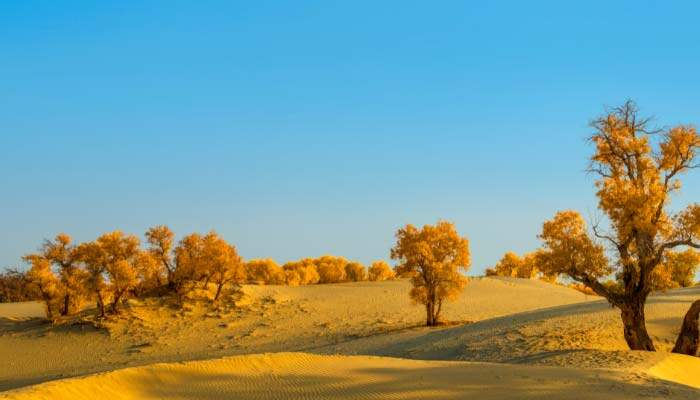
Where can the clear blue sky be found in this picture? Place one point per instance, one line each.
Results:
(304, 128)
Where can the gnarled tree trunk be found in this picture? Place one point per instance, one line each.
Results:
(687, 342)
(635, 327)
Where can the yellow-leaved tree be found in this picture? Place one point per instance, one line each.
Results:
(637, 170)
(265, 271)
(380, 271)
(224, 265)
(160, 245)
(434, 255)
(71, 288)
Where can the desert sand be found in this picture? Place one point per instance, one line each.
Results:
(507, 338)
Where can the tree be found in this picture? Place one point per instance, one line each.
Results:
(111, 264)
(435, 255)
(160, 240)
(189, 264)
(224, 264)
(15, 286)
(265, 271)
(681, 266)
(302, 272)
(526, 267)
(380, 271)
(355, 272)
(331, 269)
(61, 254)
(45, 282)
(634, 185)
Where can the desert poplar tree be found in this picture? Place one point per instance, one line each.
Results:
(61, 254)
(42, 278)
(160, 244)
(225, 265)
(637, 171)
(265, 271)
(380, 271)
(355, 272)
(435, 254)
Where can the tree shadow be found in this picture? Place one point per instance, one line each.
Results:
(336, 378)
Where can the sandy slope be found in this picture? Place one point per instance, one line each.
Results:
(299, 375)
(522, 322)
(269, 318)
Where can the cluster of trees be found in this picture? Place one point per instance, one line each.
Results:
(638, 170)
(677, 270)
(116, 266)
(308, 271)
(515, 266)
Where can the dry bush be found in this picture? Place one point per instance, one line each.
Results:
(380, 271)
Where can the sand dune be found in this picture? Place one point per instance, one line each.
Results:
(511, 338)
(298, 375)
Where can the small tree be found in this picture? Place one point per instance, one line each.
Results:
(355, 272)
(331, 269)
(46, 283)
(681, 267)
(225, 265)
(160, 240)
(434, 254)
(302, 272)
(380, 271)
(15, 286)
(61, 254)
(189, 264)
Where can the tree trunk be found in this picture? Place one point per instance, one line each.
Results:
(687, 342)
(115, 302)
(100, 305)
(635, 327)
(430, 313)
(218, 291)
(66, 305)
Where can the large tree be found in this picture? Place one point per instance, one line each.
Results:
(434, 256)
(637, 170)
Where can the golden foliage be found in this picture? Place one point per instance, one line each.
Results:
(160, 240)
(331, 269)
(302, 272)
(677, 270)
(380, 271)
(265, 271)
(435, 254)
(636, 178)
(569, 250)
(355, 272)
(46, 283)
(527, 267)
(221, 262)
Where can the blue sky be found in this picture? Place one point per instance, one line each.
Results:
(312, 127)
